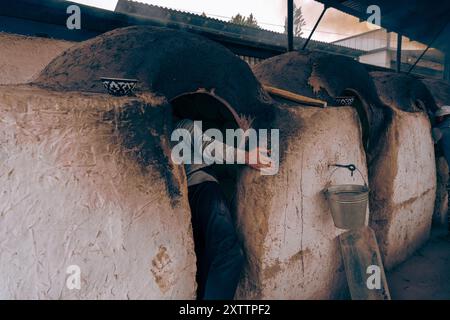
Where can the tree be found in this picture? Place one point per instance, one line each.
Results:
(249, 21)
(238, 19)
(299, 22)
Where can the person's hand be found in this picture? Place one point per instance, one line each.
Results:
(261, 156)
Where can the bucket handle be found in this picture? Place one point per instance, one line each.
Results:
(351, 167)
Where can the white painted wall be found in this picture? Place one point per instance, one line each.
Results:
(403, 187)
(368, 41)
(380, 58)
(71, 196)
(291, 240)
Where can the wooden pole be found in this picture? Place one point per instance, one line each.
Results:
(363, 265)
(295, 97)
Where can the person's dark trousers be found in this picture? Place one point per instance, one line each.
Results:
(448, 204)
(219, 254)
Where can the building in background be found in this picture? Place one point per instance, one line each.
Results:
(380, 49)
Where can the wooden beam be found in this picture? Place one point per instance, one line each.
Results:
(363, 265)
(288, 95)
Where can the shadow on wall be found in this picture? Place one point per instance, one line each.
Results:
(143, 132)
(326, 77)
(404, 92)
(363, 110)
(440, 90)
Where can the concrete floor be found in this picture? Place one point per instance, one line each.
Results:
(425, 275)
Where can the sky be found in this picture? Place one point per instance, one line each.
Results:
(270, 14)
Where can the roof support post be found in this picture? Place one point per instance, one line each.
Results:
(315, 27)
(290, 24)
(399, 52)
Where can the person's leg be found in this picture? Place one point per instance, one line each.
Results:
(448, 205)
(198, 228)
(219, 254)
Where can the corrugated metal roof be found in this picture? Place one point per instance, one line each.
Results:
(127, 7)
(257, 35)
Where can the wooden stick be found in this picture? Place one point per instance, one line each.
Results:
(295, 97)
(361, 256)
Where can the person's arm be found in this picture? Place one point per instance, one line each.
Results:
(261, 156)
(200, 142)
(255, 158)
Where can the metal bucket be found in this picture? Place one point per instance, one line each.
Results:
(348, 204)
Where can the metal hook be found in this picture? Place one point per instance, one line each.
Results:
(350, 167)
